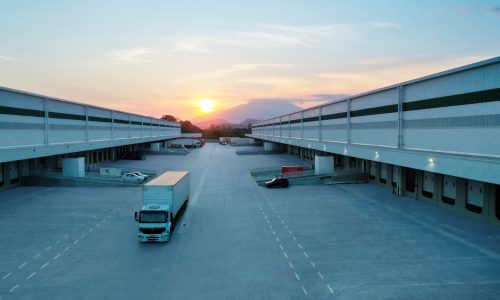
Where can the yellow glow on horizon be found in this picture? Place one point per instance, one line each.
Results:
(206, 105)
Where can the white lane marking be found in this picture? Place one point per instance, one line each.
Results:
(286, 256)
(108, 217)
(289, 231)
(57, 242)
(83, 236)
(67, 248)
(7, 275)
(74, 230)
(66, 236)
(22, 266)
(328, 286)
(44, 265)
(57, 256)
(270, 226)
(91, 229)
(97, 225)
(291, 265)
(277, 239)
(103, 220)
(296, 275)
(13, 288)
(267, 221)
(36, 256)
(312, 264)
(305, 254)
(48, 248)
(300, 246)
(294, 239)
(304, 289)
(31, 275)
(274, 233)
(321, 275)
(281, 247)
(196, 195)
(286, 226)
(75, 242)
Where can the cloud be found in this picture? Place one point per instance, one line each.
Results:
(8, 58)
(133, 55)
(243, 68)
(193, 45)
(384, 25)
(266, 36)
(494, 10)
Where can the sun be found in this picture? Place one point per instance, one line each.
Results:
(206, 105)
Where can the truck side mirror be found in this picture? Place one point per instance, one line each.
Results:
(136, 216)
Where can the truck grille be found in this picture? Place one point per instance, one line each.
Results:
(152, 230)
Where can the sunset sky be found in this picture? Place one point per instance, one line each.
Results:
(163, 57)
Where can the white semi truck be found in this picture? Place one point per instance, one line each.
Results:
(164, 200)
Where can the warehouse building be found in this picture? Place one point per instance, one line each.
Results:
(44, 133)
(435, 139)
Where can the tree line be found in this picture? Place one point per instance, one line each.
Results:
(212, 132)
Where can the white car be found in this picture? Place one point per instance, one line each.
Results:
(140, 174)
(131, 177)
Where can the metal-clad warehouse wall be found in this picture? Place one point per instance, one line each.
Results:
(34, 125)
(434, 130)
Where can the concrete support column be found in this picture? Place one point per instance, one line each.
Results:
(323, 165)
(156, 147)
(74, 167)
(269, 146)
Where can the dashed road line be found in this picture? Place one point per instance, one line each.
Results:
(58, 241)
(286, 256)
(82, 236)
(281, 247)
(67, 248)
(7, 275)
(330, 288)
(300, 246)
(313, 265)
(22, 265)
(13, 288)
(91, 229)
(31, 275)
(306, 255)
(294, 238)
(36, 256)
(291, 265)
(48, 248)
(57, 256)
(321, 275)
(304, 290)
(296, 275)
(76, 241)
(44, 265)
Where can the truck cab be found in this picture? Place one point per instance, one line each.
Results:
(154, 223)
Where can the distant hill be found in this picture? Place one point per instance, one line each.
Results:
(242, 115)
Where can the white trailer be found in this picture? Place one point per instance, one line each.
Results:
(164, 200)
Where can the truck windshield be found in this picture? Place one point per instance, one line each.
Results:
(153, 217)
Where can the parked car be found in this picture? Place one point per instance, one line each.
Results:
(277, 182)
(141, 174)
(131, 177)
